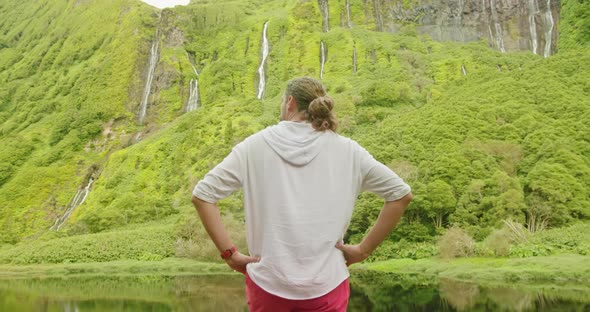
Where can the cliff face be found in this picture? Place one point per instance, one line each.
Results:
(507, 25)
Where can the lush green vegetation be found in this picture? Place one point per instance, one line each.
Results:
(575, 25)
(508, 141)
(60, 82)
(562, 269)
(166, 267)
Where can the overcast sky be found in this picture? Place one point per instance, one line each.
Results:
(166, 3)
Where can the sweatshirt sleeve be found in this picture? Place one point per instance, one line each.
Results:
(222, 180)
(379, 179)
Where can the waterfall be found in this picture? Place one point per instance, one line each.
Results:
(378, 15)
(348, 14)
(463, 70)
(150, 77)
(499, 39)
(533, 9)
(459, 20)
(354, 66)
(322, 59)
(325, 10)
(498, 27)
(265, 50)
(194, 97)
(78, 200)
(549, 34)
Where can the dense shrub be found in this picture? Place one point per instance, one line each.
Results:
(152, 243)
(412, 232)
(572, 239)
(455, 242)
(402, 249)
(499, 242)
(193, 241)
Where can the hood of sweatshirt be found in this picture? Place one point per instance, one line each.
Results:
(298, 143)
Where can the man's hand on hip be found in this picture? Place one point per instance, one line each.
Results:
(352, 253)
(239, 261)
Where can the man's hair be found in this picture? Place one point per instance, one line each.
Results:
(311, 97)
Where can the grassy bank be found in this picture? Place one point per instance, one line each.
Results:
(557, 269)
(169, 266)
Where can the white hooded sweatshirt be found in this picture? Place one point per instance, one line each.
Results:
(300, 187)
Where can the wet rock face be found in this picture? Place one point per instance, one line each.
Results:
(507, 25)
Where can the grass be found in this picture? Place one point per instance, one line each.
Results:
(557, 269)
(168, 266)
(563, 269)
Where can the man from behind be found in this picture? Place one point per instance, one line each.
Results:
(300, 181)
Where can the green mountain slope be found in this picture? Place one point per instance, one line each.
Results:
(481, 136)
(66, 69)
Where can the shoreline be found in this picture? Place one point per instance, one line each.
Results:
(168, 266)
(557, 270)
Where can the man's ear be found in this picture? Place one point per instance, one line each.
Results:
(291, 104)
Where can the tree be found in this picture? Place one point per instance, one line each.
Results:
(442, 201)
(550, 192)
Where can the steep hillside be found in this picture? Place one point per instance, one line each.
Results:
(66, 70)
(482, 136)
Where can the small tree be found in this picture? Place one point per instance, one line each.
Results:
(442, 201)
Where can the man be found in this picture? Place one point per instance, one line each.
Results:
(300, 182)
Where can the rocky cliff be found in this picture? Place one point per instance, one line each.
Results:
(507, 25)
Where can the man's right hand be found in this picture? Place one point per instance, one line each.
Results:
(239, 261)
(352, 253)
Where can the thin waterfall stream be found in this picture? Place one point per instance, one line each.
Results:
(533, 10)
(78, 200)
(497, 26)
(153, 61)
(261, 69)
(194, 100)
(549, 34)
(325, 11)
(348, 14)
(322, 59)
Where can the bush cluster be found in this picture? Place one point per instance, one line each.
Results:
(145, 244)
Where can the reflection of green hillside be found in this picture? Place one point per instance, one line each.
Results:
(387, 292)
(139, 293)
(370, 291)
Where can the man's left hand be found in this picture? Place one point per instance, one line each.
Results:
(239, 261)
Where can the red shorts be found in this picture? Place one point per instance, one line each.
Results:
(261, 301)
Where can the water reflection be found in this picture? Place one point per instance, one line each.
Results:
(369, 292)
(389, 292)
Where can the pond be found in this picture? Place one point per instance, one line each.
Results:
(369, 292)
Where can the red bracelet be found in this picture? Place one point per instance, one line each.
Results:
(228, 253)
